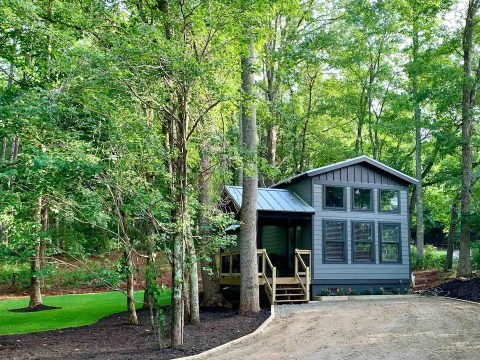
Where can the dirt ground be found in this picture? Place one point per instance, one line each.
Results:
(417, 328)
(112, 338)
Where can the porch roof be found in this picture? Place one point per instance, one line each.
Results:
(280, 200)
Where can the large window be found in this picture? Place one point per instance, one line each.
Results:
(362, 199)
(389, 236)
(362, 242)
(334, 197)
(389, 201)
(334, 240)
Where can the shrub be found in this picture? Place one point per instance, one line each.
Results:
(341, 292)
(325, 292)
(432, 259)
(367, 292)
(381, 291)
(353, 292)
(476, 259)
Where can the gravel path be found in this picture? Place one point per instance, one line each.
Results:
(416, 328)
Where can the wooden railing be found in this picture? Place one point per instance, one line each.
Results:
(230, 268)
(269, 273)
(230, 264)
(305, 270)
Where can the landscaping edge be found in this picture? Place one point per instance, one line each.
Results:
(214, 350)
(363, 297)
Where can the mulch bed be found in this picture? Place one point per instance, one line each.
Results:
(462, 289)
(112, 338)
(426, 279)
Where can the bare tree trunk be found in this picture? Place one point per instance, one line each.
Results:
(469, 93)
(418, 143)
(249, 292)
(272, 132)
(451, 235)
(194, 311)
(35, 264)
(132, 312)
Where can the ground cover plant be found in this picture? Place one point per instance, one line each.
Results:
(74, 310)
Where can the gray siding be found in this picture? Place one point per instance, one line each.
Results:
(360, 174)
(302, 188)
(273, 239)
(363, 177)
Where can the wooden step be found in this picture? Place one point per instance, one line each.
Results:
(287, 280)
(289, 288)
(291, 301)
(277, 295)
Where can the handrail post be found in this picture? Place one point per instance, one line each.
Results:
(307, 280)
(231, 264)
(274, 284)
(264, 263)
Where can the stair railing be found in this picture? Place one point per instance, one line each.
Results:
(267, 269)
(305, 271)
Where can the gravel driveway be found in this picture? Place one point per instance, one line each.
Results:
(416, 328)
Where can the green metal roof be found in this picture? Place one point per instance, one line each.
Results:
(280, 200)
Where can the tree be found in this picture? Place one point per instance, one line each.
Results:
(471, 82)
(249, 293)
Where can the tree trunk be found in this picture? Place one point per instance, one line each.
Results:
(131, 310)
(35, 264)
(240, 144)
(272, 132)
(451, 235)
(194, 311)
(211, 286)
(181, 219)
(249, 292)
(468, 102)
(418, 143)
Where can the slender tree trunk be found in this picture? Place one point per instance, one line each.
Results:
(272, 132)
(451, 235)
(132, 312)
(35, 264)
(418, 142)
(468, 104)
(194, 311)
(249, 292)
(211, 286)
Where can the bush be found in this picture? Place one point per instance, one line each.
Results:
(432, 259)
(325, 292)
(476, 259)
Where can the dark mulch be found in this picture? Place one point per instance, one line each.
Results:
(112, 338)
(462, 289)
(36, 308)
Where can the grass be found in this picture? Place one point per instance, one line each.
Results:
(75, 310)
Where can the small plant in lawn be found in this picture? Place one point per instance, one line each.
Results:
(381, 291)
(325, 292)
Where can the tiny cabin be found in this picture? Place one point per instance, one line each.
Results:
(341, 226)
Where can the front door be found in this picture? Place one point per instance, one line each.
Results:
(294, 241)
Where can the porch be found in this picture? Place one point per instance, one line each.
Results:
(279, 289)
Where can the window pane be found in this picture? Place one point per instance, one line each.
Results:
(390, 233)
(334, 231)
(334, 197)
(388, 200)
(390, 252)
(334, 251)
(362, 199)
(362, 232)
(363, 252)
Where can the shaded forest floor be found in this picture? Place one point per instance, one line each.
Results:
(113, 338)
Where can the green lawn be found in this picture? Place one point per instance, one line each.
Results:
(76, 310)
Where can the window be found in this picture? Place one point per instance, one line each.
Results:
(334, 197)
(334, 239)
(362, 199)
(389, 242)
(362, 242)
(389, 200)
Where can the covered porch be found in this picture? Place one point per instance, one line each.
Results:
(284, 243)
